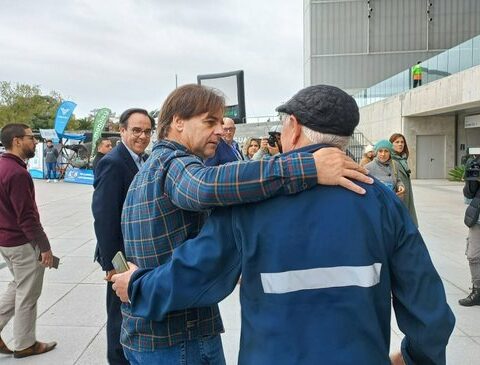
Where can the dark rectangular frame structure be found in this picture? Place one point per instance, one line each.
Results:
(240, 90)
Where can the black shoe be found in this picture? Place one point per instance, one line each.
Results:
(472, 299)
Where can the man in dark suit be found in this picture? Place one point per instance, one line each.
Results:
(113, 175)
(227, 149)
(104, 146)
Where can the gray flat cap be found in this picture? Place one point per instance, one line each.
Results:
(324, 108)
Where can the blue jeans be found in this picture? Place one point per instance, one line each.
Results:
(204, 351)
(51, 167)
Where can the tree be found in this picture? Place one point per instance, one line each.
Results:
(83, 124)
(9, 94)
(24, 103)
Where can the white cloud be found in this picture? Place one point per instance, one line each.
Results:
(121, 54)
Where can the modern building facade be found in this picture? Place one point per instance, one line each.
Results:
(354, 44)
(440, 120)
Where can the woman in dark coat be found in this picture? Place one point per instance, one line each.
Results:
(400, 155)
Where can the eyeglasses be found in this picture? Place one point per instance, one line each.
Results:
(231, 129)
(137, 132)
(29, 136)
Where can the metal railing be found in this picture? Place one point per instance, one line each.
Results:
(357, 145)
(454, 60)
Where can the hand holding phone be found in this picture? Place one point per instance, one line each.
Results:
(120, 281)
(55, 263)
(119, 263)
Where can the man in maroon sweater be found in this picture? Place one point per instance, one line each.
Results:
(23, 242)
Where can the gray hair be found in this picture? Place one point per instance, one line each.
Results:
(332, 139)
(319, 137)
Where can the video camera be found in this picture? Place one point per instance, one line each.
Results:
(472, 164)
(472, 170)
(273, 138)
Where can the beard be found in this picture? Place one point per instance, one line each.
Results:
(29, 153)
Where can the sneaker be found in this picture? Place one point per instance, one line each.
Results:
(48, 180)
(55, 180)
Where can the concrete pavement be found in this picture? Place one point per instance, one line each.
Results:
(72, 306)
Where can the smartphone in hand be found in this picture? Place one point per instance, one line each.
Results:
(56, 261)
(120, 263)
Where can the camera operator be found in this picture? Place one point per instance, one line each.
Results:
(271, 145)
(471, 191)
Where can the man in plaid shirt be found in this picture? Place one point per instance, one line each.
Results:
(169, 200)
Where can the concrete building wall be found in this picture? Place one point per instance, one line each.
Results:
(354, 44)
(466, 137)
(257, 130)
(438, 108)
(430, 126)
(455, 93)
(382, 119)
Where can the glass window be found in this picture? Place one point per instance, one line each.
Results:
(377, 92)
(382, 89)
(466, 52)
(453, 60)
(431, 70)
(388, 88)
(456, 59)
(395, 87)
(476, 51)
(373, 94)
(405, 80)
(425, 71)
(442, 64)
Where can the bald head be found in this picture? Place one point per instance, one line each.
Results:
(228, 130)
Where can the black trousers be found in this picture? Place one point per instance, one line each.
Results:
(115, 354)
(417, 83)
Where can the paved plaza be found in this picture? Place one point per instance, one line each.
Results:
(72, 307)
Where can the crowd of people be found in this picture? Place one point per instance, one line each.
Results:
(311, 290)
(387, 160)
(254, 148)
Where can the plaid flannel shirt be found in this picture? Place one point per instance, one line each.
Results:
(168, 202)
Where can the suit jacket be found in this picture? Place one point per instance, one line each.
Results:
(223, 154)
(113, 175)
(96, 160)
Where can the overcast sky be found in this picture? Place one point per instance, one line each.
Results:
(125, 53)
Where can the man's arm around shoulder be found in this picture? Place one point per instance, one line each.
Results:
(192, 186)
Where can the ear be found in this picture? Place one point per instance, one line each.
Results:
(296, 129)
(17, 142)
(177, 123)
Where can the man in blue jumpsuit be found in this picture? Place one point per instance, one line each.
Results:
(319, 269)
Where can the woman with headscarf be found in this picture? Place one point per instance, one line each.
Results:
(385, 169)
(400, 156)
(368, 155)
